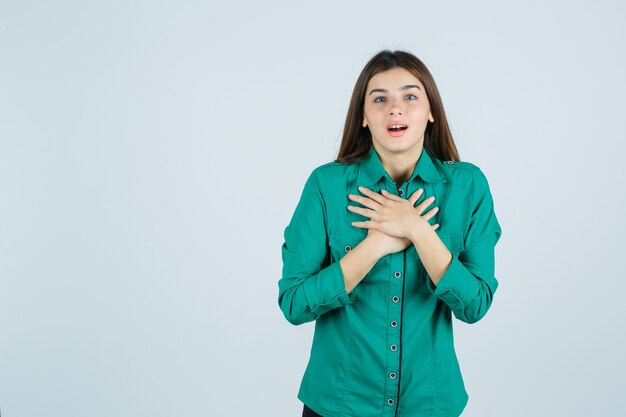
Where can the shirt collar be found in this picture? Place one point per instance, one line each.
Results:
(372, 170)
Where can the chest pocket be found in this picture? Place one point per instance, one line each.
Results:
(343, 241)
(454, 243)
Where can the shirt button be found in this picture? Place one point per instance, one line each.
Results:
(401, 192)
(397, 274)
(395, 298)
(348, 248)
(392, 375)
(394, 323)
(390, 401)
(393, 348)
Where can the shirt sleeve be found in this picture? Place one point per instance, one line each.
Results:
(310, 286)
(469, 284)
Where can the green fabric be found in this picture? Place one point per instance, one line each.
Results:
(372, 355)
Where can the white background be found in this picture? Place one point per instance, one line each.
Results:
(152, 153)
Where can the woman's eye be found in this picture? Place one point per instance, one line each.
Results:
(411, 97)
(379, 99)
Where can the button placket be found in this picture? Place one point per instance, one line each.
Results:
(395, 282)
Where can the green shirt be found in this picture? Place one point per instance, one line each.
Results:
(386, 348)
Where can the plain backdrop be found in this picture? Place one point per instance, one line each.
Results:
(152, 153)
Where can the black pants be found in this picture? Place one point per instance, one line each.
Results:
(307, 412)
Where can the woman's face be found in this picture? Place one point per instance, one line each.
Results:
(396, 111)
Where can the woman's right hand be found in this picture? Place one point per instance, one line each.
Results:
(389, 244)
(385, 243)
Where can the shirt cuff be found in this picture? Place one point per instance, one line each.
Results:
(327, 290)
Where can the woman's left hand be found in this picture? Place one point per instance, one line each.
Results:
(391, 214)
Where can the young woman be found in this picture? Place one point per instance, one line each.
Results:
(384, 245)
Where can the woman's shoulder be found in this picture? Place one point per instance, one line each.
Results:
(463, 166)
(460, 173)
(332, 170)
(331, 176)
(333, 166)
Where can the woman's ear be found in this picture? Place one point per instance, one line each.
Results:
(431, 118)
(364, 123)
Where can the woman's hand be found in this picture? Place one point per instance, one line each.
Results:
(393, 215)
(386, 244)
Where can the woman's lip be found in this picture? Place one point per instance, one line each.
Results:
(396, 123)
(397, 133)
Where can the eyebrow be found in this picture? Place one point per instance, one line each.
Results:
(382, 90)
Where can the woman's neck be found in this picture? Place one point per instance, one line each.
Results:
(400, 166)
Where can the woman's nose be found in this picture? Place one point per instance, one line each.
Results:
(396, 107)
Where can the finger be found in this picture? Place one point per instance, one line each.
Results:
(422, 206)
(364, 212)
(430, 213)
(415, 196)
(365, 225)
(435, 226)
(390, 196)
(373, 195)
(367, 202)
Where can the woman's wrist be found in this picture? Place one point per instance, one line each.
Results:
(375, 249)
(418, 230)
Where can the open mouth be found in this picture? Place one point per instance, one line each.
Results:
(397, 128)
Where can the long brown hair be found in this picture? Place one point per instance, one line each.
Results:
(357, 140)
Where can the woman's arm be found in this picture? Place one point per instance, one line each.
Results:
(310, 285)
(376, 245)
(359, 261)
(434, 255)
(465, 283)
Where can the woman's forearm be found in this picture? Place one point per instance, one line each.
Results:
(434, 255)
(358, 262)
